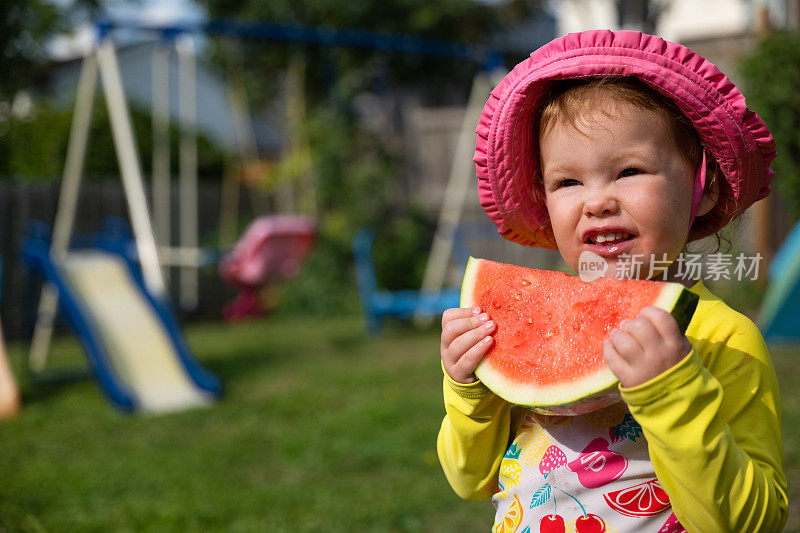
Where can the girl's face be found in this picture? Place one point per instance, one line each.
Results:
(618, 186)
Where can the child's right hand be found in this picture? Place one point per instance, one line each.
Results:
(466, 336)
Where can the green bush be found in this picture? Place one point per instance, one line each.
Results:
(772, 80)
(358, 183)
(34, 147)
(401, 251)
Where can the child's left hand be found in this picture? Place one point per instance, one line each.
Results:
(644, 347)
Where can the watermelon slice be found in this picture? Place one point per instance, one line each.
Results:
(548, 345)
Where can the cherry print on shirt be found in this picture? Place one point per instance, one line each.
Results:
(554, 458)
(552, 523)
(590, 523)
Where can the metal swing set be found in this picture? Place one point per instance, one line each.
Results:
(114, 293)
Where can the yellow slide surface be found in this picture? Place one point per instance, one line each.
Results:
(138, 345)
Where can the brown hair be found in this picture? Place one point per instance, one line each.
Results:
(574, 101)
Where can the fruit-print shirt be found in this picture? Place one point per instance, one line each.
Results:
(696, 448)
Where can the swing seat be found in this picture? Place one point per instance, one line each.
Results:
(378, 304)
(272, 249)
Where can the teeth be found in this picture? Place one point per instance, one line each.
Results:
(610, 237)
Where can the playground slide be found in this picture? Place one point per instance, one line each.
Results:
(780, 312)
(132, 341)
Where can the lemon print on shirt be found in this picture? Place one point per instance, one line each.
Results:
(512, 518)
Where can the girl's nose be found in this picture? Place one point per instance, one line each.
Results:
(599, 202)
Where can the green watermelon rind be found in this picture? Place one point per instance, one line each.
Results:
(599, 390)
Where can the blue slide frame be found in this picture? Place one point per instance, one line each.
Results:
(37, 257)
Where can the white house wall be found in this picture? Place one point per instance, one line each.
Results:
(214, 117)
(682, 19)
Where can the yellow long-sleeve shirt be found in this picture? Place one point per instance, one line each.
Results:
(711, 428)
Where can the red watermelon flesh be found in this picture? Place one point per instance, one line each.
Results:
(548, 346)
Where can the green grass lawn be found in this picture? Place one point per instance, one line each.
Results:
(785, 359)
(321, 429)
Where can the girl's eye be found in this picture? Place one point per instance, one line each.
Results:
(568, 182)
(628, 172)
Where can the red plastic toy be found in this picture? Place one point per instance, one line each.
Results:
(272, 249)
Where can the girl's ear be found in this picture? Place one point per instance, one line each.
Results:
(707, 202)
(711, 192)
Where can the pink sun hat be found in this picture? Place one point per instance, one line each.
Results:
(506, 158)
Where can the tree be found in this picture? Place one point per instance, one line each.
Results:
(358, 171)
(772, 79)
(25, 28)
(467, 21)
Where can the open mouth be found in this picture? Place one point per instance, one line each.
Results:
(608, 238)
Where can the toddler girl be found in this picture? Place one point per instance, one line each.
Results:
(624, 145)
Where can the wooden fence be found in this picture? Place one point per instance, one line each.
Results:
(23, 202)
